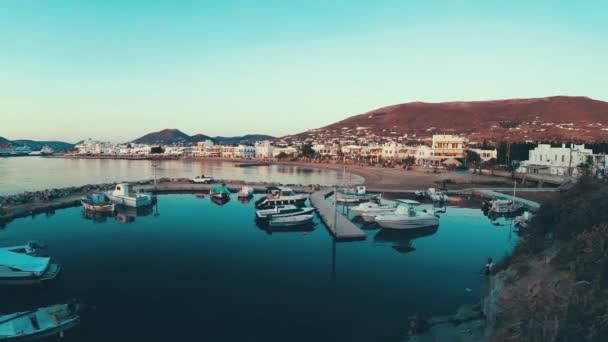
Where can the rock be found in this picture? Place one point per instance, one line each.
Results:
(467, 313)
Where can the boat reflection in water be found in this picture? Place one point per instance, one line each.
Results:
(244, 200)
(401, 240)
(97, 216)
(128, 214)
(220, 200)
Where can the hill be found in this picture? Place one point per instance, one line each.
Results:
(177, 137)
(548, 118)
(57, 146)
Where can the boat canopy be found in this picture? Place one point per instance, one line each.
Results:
(220, 189)
(23, 262)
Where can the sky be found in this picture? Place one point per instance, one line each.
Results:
(115, 70)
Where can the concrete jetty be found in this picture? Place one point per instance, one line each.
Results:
(342, 228)
(530, 205)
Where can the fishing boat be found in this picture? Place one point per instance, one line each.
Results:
(22, 269)
(245, 192)
(355, 194)
(505, 206)
(220, 192)
(29, 249)
(123, 194)
(39, 323)
(406, 217)
(436, 195)
(523, 220)
(97, 202)
(278, 195)
(371, 207)
(282, 211)
(289, 221)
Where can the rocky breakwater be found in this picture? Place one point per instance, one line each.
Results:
(33, 202)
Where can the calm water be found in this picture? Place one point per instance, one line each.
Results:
(18, 174)
(193, 270)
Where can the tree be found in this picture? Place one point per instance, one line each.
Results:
(282, 156)
(307, 151)
(408, 162)
(472, 158)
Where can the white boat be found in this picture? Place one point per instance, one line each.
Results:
(357, 194)
(97, 202)
(436, 195)
(245, 191)
(524, 219)
(288, 221)
(505, 206)
(39, 323)
(371, 207)
(29, 249)
(123, 194)
(406, 217)
(282, 211)
(22, 269)
(279, 195)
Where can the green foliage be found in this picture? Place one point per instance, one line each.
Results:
(307, 151)
(573, 212)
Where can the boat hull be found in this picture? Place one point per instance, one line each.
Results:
(290, 221)
(414, 223)
(98, 208)
(51, 273)
(302, 211)
(134, 202)
(269, 203)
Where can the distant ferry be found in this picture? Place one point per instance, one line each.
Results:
(9, 151)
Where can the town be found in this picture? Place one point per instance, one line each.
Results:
(440, 151)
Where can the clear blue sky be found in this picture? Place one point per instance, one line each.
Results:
(118, 69)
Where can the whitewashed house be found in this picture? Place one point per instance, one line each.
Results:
(263, 149)
(245, 152)
(562, 161)
(485, 155)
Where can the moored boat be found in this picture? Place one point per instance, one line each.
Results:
(357, 194)
(289, 221)
(282, 211)
(436, 195)
(22, 269)
(97, 202)
(281, 196)
(245, 191)
(29, 249)
(123, 194)
(406, 217)
(371, 207)
(220, 192)
(504, 206)
(39, 323)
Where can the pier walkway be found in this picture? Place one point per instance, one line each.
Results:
(343, 228)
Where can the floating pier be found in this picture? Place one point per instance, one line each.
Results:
(342, 228)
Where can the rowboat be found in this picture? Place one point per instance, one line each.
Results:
(97, 202)
(23, 269)
(288, 221)
(39, 323)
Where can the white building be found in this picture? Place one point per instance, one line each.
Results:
(390, 150)
(245, 151)
(289, 150)
(448, 146)
(562, 161)
(326, 150)
(263, 149)
(485, 155)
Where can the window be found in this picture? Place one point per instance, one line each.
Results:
(563, 158)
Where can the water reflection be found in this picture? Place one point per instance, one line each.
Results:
(122, 214)
(401, 240)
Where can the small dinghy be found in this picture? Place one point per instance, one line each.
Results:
(23, 269)
(245, 192)
(357, 194)
(39, 323)
(28, 249)
(282, 211)
(97, 202)
(220, 192)
(288, 221)
(371, 207)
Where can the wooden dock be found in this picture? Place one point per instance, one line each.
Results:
(343, 229)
